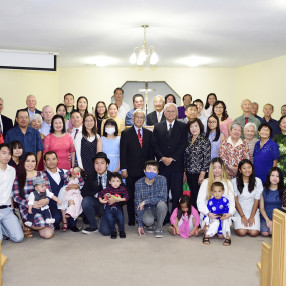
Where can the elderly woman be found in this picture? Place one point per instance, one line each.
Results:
(23, 186)
(36, 122)
(233, 150)
(280, 139)
(250, 130)
(112, 114)
(217, 173)
(266, 152)
(197, 157)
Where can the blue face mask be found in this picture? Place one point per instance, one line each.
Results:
(150, 175)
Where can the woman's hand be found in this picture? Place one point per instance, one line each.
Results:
(185, 178)
(201, 177)
(225, 216)
(251, 221)
(269, 224)
(244, 221)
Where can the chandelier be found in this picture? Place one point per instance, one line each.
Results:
(141, 54)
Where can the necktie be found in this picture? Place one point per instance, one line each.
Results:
(246, 120)
(100, 183)
(140, 138)
(76, 131)
(170, 129)
(159, 117)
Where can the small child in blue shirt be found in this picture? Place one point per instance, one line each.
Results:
(219, 206)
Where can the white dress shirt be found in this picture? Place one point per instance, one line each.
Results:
(7, 178)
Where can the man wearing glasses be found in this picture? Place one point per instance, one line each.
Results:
(29, 137)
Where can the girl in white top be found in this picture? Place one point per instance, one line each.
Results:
(247, 191)
(217, 173)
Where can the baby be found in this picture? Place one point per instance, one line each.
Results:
(38, 194)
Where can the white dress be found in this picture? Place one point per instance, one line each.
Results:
(246, 201)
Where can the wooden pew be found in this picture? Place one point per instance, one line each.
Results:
(273, 257)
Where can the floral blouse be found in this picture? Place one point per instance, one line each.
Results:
(197, 157)
(280, 139)
(232, 154)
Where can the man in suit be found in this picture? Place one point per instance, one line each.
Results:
(157, 115)
(31, 103)
(135, 149)
(94, 183)
(5, 122)
(169, 142)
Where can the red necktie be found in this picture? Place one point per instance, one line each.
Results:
(76, 131)
(140, 138)
(246, 120)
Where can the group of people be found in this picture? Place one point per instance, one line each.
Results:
(57, 167)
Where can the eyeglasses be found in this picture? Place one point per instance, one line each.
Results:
(212, 122)
(219, 107)
(23, 117)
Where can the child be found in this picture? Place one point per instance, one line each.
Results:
(271, 198)
(217, 205)
(185, 218)
(112, 196)
(38, 194)
(71, 199)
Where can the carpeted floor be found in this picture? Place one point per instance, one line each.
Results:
(80, 259)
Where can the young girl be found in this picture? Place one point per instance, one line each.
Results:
(17, 152)
(185, 218)
(270, 199)
(218, 205)
(71, 199)
(247, 191)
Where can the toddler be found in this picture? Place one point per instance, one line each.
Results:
(38, 194)
(112, 196)
(185, 218)
(219, 206)
(71, 199)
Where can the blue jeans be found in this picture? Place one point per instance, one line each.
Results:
(114, 214)
(92, 207)
(10, 226)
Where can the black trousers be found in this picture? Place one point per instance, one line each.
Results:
(194, 187)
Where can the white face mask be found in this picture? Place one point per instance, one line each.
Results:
(110, 130)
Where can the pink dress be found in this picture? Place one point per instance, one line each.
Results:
(63, 146)
(224, 127)
(185, 224)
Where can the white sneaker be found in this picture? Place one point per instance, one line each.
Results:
(50, 220)
(28, 223)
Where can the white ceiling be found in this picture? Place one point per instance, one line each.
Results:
(229, 33)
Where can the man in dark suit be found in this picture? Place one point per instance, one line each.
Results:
(169, 142)
(5, 122)
(31, 103)
(133, 155)
(94, 183)
(157, 115)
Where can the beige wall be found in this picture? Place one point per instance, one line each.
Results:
(262, 82)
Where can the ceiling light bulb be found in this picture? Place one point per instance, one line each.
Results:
(141, 57)
(154, 59)
(133, 58)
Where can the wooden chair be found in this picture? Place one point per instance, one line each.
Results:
(273, 258)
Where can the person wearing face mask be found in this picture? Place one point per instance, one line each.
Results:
(109, 143)
(150, 200)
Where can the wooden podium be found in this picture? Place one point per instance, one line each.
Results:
(273, 257)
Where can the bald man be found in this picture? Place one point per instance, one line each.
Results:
(31, 103)
(246, 116)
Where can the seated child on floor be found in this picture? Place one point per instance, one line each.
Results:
(112, 196)
(218, 205)
(38, 194)
(71, 198)
(185, 218)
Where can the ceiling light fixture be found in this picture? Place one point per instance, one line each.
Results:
(141, 54)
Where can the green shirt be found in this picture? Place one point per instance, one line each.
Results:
(280, 139)
(241, 121)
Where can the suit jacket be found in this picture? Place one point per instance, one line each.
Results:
(170, 146)
(152, 119)
(7, 124)
(36, 111)
(91, 187)
(132, 156)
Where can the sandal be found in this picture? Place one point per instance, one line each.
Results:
(227, 242)
(27, 232)
(65, 227)
(206, 240)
